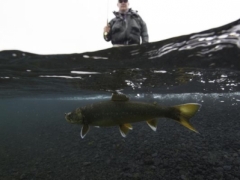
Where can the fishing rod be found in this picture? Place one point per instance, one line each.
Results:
(107, 16)
(107, 10)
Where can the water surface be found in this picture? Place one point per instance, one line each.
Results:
(36, 91)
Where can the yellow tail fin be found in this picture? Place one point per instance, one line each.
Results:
(185, 112)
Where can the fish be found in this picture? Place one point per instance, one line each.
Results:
(120, 111)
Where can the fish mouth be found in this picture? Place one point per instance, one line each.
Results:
(67, 117)
(66, 114)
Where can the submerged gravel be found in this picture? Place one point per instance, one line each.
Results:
(37, 143)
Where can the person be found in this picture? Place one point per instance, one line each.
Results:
(126, 28)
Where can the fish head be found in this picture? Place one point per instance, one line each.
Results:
(74, 117)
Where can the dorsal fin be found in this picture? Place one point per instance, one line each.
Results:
(119, 97)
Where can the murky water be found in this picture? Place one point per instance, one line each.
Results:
(36, 91)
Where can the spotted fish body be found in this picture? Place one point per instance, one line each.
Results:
(119, 111)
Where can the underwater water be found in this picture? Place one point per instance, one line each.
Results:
(37, 90)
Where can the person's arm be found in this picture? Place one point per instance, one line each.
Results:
(107, 32)
(144, 32)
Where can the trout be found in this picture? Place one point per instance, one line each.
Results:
(120, 111)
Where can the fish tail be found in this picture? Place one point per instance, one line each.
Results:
(182, 114)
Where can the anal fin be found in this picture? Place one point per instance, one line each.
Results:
(84, 130)
(124, 129)
(152, 124)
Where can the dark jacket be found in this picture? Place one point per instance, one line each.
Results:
(126, 29)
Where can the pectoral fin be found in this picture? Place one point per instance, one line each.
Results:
(84, 130)
(124, 129)
(152, 124)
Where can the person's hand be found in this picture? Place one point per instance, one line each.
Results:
(106, 29)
